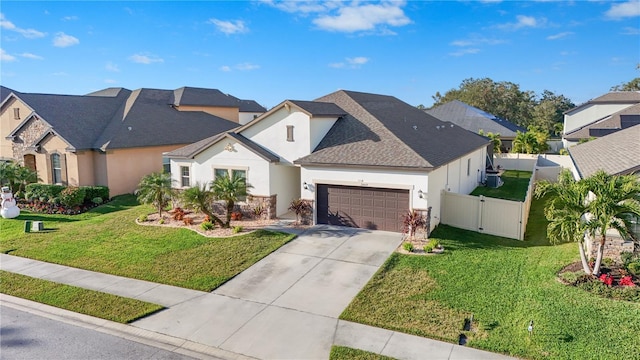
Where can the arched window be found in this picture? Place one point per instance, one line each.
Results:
(56, 169)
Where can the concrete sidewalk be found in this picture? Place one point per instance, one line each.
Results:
(286, 306)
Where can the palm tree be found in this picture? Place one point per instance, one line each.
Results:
(16, 176)
(155, 189)
(590, 206)
(495, 140)
(200, 199)
(229, 189)
(566, 212)
(614, 200)
(25, 176)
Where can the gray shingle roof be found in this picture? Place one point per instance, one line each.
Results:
(616, 153)
(77, 119)
(474, 119)
(316, 108)
(381, 130)
(611, 123)
(212, 97)
(614, 97)
(119, 118)
(151, 121)
(4, 92)
(191, 150)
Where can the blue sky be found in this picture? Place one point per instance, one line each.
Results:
(270, 50)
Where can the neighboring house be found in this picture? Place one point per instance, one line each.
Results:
(601, 116)
(111, 137)
(474, 120)
(616, 154)
(361, 159)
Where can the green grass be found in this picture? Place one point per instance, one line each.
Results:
(342, 352)
(89, 302)
(504, 283)
(515, 186)
(108, 240)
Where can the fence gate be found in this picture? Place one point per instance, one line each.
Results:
(485, 215)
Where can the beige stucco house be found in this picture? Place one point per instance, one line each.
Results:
(111, 137)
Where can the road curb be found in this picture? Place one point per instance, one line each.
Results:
(128, 332)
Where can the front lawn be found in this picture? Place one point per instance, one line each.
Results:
(504, 284)
(108, 240)
(515, 186)
(346, 353)
(84, 301)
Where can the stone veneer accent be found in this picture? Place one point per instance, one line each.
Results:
(25, 138)
(268, 203)
(613, 248)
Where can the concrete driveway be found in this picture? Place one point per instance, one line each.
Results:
(285, 306)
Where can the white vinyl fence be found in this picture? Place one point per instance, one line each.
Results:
(487, 215)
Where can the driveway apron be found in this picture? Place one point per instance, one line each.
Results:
(286, 306)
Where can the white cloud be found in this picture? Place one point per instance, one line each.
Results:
(246, 66)
(70, 18)
(630, 8)
(463, 52)
(352, 63)
(145, 59)
(110, 81)
(31, 56)
(4, 56)
(338, 16)
(64, 40)
(28, 33)
(476, 40)
(112, 67)
(230, 27)
(363, 17)
(523, 21)
(559, 35)
(630, 31)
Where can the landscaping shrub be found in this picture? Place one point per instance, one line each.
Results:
(97, 200)
(72, 196)
(92, 192)
(572, 277)
(207, 225)
(408, 246)
(237, 229)
(44, 190)
(142, 218)
(634, 268)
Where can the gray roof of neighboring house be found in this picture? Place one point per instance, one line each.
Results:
(317, 108)
(474, 119)
(383, 131)
(616, 153)
(622, 119)
(208, 97)
(150, 121)
(4, 92)
(614, 97)
(119, 118)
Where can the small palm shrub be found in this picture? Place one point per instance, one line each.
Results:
(207, 225)
(408, 246)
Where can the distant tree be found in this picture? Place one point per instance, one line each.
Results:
(549, 111)
(632, 85)
(495, 140)
(421, 107)
(156, 189)
(506, 100)
(533, 141)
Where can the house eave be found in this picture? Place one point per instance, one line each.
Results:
(365, 166)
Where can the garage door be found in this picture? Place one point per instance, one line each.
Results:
(369, 208)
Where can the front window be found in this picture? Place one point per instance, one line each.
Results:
(16, 113)
(56, 169)
(220, 173)
(166, 165)
(289, 132)
(184, 179)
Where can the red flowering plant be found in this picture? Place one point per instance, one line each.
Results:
(606, 279)
(626, 281)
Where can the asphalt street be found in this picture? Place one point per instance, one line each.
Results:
(28, 336)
